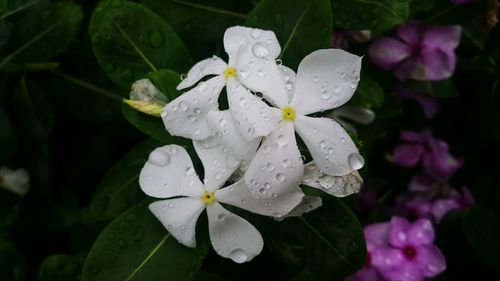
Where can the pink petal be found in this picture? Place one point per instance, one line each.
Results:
(421, 232)
(411, 32)
(376, 233)
(442, 206)
(407, 155)
(438, 65)
(441, 37)
(386, 52)
(408, 272)
(398, 232)
(431, 260)
(387, 258)
(412, 68)
(411, 136)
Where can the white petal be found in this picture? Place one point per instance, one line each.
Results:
(253, 117)
(169, 172)
(289, 78)
(277, 167)
(236, 36)
(210, 66)
(17, 181)
(222, 125)
(339, 186)
(308, 204)
(179, 216)
(330, 146)
(219, 161)
(261, 74)
(232, 236)
(239, 195)
(326, 79)
(186, 115)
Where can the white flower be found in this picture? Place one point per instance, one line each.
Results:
(169, 173)
(16, 181)
(251, 66)
(325, 79)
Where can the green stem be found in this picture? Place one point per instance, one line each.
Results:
(18, 9)
(89, 86)
(211, 9)
(32, 66)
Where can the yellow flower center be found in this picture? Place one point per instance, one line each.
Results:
(208, 198)
(288, 113)
(229, 72)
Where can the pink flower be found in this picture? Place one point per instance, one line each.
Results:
(431, 153)
(455, 201)
(421, 52)
(429, 105)
(410, 254)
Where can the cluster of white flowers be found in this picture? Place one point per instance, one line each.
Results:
(253, 143)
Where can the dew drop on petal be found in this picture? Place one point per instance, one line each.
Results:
(189, 171)
(282, 140)
(256, 33)
(159, 157)
(238, 256)
(259, 50)
(316, 78)
(280, 177)
(356, 161)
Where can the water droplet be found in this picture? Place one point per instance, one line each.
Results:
(336, 89)
(156, 39)
(282, 140)
(243, 73)
(256, 33)
(231, 162)
(221, 217)
(170, 205)
(259, 50)
(262, 191)
(253, 182)
(238, 256)
(356, 161)
(243, 102)
(163, 114)
(280, 177)
(270, 166)
(189, 171)
(218, 176)
(183, 105)
(122, 244)
(261, 72)
(159, 157)
(192, 118)
(316, 79)
(183, 76)
(174, 150)
(323, 144)
(197, 110)
(266, 149)
(354, 85)
(267, 185)
(286, 163)
(326, 96)
(289, 86)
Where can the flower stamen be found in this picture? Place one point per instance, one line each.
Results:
(288, 113)
(208, 198)
(229, 72)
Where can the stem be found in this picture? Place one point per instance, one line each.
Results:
(89, 86)
(32, 66)
(18, 9)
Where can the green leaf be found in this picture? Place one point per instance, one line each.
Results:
(119, 189)
(12, 264)
(199, 19)
(166, 81)
(482, 230)
(369, 92)
(7, 139)
(60, 267)
(327, 242)
(303, 27)
(129, 41)
(374, 15)
(136, 247)
(44, 32)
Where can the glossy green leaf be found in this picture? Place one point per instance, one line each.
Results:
(136, 247)
(45, 32)
(130, 41)
(166, 81)
(60, 267)
(327, 242)
(304, 26)
(119, 189)
(482, 230)
(12, 264)
(200, 20)
(374, 15)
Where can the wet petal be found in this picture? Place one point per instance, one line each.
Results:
(326, 79)
(308, 204)
(232, 236)
(431, 260)
(236, 36)
(261, 73)
(186, 115)
(239, 195)
(386, 258)
(330, 146)
(398, 232)
(277, 167)
(222, 125)
(210, 66)
(290, 79)
(253, 117)
(409, 271)
(339, 186)
(179, 217)
(169, 172)
(421, 232)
